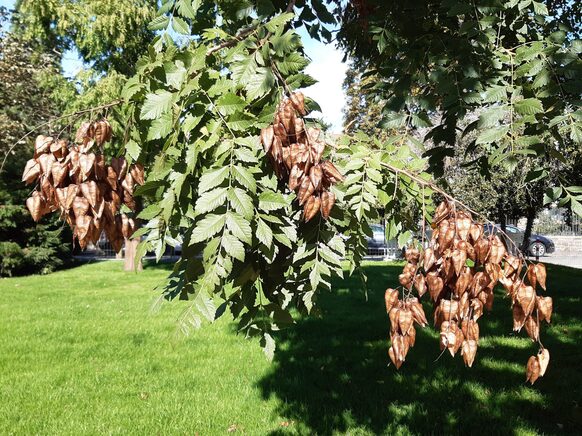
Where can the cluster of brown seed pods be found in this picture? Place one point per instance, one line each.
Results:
(295, 152)
(459, 269)
(77, 182)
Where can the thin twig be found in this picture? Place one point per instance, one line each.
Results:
(449, 197)
(236, 39)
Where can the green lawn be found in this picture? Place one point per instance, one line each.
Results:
(81, 353)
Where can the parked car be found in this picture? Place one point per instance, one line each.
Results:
(539, 245)
(378, 246)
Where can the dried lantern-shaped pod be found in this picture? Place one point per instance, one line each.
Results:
(545, 306)
(80, 206)
(59, 172)
(90, 192)
(36, 205)
(31, 171)
(390, 298)
(296, 156)
(59, 149)
(46, 163)
(86, 164)
(82, 226)
(137, 173)
(469, 350)
(102, 132)
(85, 133)
(544, 360)
(460, 268)
(127, 226)
(119, 165)
(42, 145)
(540, 274)
(532, 369)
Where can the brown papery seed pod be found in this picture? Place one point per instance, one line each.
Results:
(532, 327)
(405, 320)
(331, 171)
(420, 284)
(311, 207)
(59, 171)
(83, 226)
(519, 317)
(544, 360)
(468, 351)
(532, 370)
(80, 206)
(298, 101)
(102, 132)
(119, 165)
(545, 306)
(137, 173)
(540, 272)
(412, 255)
(90, 192)
(42, 144)
(306, 189)
(31, 171)
(315, 175)
(46, 162)
(393, 316)
(526, 297)
(395, 360)
(86, 162)
(531, 276)
(390, 298)
(429, 259)
(435, 285)
(36, 206)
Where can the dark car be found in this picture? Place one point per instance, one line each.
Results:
(538, 245)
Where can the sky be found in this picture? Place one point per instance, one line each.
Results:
(326, 67)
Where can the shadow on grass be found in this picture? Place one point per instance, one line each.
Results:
(331, 374)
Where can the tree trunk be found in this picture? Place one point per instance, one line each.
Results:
(531, 215)
(503, 221)
(130, 251)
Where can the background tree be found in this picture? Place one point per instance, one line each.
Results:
(25, 247)
(363, 109)
(109, 38)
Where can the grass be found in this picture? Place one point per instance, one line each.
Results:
(81, 353)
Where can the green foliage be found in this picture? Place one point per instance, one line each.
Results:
(29, 248)
(516, 64)
(26, 247)
(109, 35)
(195, 112)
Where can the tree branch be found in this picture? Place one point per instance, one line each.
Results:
(237, 38)
(449, 197)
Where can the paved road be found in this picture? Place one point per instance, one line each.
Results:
(573, 259)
